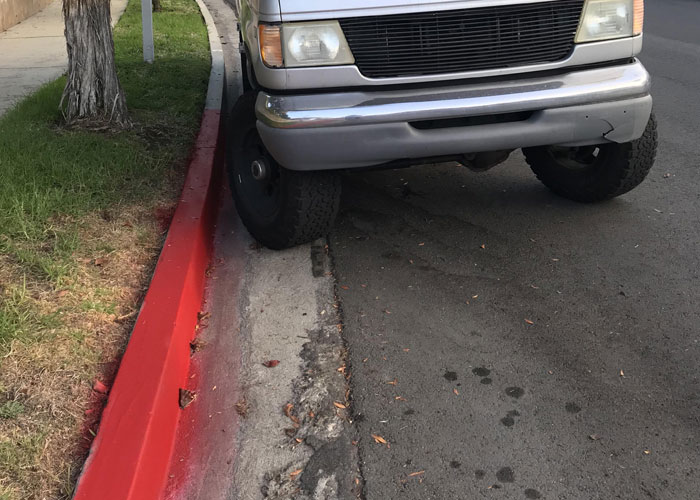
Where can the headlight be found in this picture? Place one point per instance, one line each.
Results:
(305, 44)
(607, 19)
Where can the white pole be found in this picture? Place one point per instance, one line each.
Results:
(147, 18)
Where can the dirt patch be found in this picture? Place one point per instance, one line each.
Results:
(76, 334)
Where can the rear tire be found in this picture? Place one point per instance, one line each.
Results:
(281, 208)
(595, 173)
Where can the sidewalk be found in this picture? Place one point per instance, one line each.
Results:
(33, 52)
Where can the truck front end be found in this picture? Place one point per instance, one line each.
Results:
(389, 82)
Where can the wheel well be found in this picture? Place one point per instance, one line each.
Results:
(249, 80)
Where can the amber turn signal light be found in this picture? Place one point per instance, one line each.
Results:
(271, 45)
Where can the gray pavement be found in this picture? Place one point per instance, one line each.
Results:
(440, 271)
(33, 52)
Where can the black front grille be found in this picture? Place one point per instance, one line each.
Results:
(463, 40)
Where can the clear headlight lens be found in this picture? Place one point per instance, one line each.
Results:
(607, 19)
(315, 44)
(305, 44)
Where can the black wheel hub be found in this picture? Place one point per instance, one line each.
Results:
(258, 176)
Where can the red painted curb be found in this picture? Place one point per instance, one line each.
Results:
(130, 456)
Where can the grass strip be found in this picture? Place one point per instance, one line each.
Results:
(82, 221)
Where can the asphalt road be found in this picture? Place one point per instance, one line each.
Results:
(441, 272)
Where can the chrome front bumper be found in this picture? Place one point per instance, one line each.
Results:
(359, 129)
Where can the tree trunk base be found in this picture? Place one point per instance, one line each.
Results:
(93, 97)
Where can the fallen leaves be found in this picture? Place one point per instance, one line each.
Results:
(99, 387)
(288, 412)
(399, 398)
(295, 473)
(186, 398)
(339, 405)
(271, 363)
(529, 321)
(197, 345)
(456, 392)
(379, 440)
(418, 473)
(242, 407)
(100, 261)
(393, 382)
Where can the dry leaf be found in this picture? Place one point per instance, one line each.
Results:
(622, 373)
(378, 439)
(421, 244)
(201, 316)
(393, 382)
(271, 363)
(413, 474)
(399, 398)
(647, 452)
(295, 473)
(594, 437)
(483, 247)
(339, 405)
(529, 322)
(197, 345)
(186, 398)
(242, 408)
(99, 387)
(456, 392)
(345, 287)
(288, 412)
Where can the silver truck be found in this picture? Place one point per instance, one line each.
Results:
(331, 86)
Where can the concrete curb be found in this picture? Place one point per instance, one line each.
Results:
(130, 456)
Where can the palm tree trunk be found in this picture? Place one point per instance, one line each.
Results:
(93, 95)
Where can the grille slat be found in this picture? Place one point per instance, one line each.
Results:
(463, 40)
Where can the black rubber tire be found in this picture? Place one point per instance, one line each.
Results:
(618, 169)
(305, 204)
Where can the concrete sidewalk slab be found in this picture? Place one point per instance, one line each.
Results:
(33, 52)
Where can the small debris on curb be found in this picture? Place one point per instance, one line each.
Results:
(197, 345)
(242, 407)
(186, 398)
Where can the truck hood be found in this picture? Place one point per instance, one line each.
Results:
(300, 10)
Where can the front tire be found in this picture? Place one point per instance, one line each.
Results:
(281, 208)
(595, 173)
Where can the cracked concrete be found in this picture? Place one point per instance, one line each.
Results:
(291, 317)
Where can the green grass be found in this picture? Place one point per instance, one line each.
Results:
(52, 176)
